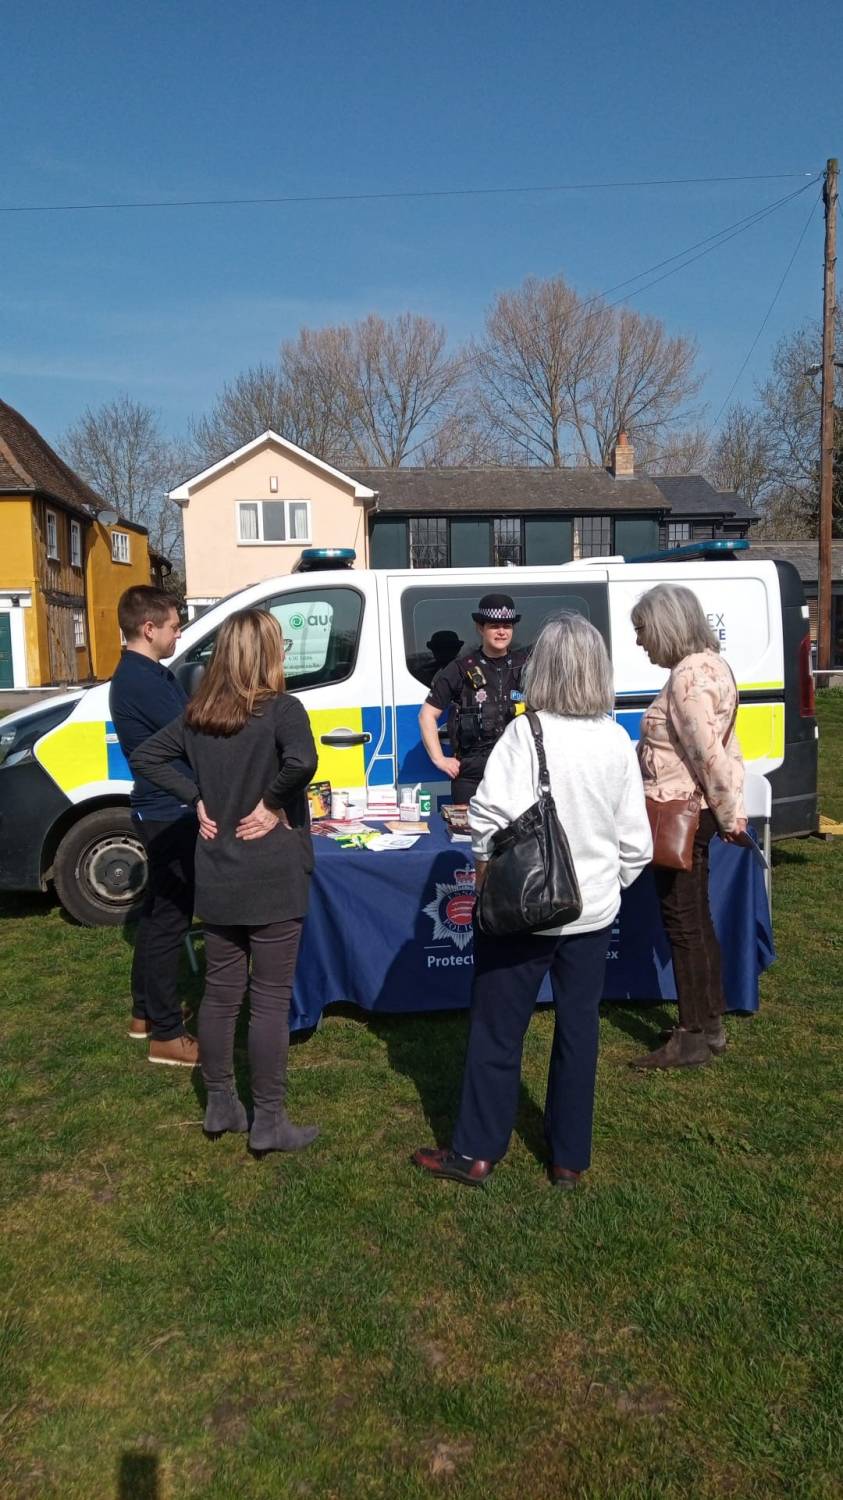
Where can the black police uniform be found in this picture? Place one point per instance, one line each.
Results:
(481, 694)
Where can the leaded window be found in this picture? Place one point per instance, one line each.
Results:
(428, 542)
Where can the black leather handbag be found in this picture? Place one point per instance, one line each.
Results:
(530, 879)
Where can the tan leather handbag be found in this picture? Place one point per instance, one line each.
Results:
(674, 824)
(674, 827)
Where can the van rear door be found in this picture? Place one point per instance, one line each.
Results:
(795, 808)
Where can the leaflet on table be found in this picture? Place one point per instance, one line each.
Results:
(334, 827)
(381, 842)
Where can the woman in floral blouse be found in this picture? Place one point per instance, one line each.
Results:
(688, 744)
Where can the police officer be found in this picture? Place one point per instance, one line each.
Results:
(480, 692)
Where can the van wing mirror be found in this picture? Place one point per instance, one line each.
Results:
(189, 675)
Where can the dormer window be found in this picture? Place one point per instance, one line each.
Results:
(120, 547)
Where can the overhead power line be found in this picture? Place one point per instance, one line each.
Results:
(709, 243)
(766, 318)
(410, 193)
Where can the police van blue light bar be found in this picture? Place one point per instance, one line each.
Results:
(319, 559)
(695, 551)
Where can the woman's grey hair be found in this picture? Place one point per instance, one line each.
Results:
(569, 671)
(672, 624)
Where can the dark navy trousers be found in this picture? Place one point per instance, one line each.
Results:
(508, 973)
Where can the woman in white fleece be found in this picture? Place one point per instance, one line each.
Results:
(597, 787)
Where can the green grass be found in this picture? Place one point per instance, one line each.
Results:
(177, 1320)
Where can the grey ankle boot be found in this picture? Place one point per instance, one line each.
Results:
(686, 1049)
(224, 1111)
(715, 1035)
(272, 1131)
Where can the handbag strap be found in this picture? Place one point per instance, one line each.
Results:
(544, 776)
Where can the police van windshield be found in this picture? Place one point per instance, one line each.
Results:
(438, 625)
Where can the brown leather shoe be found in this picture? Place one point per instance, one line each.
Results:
(686, 1049)
(564, 1178)
(440, 1162)
(179, 1052)
(140, 1029)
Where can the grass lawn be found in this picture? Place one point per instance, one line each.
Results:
(178, 1320)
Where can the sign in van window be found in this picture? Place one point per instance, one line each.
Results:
(307, 635)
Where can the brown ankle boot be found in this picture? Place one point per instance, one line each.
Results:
(686, 1049)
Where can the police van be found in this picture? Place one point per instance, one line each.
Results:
(357, 655)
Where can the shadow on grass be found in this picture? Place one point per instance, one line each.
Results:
(137, 1477)
(429, 1049)
(18, 906)
(783, 855)
(642, 1025)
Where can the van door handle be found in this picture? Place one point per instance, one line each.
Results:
(345, 737)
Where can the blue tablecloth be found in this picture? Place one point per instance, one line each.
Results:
(392, 931)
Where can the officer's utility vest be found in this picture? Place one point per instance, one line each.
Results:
(486, 703)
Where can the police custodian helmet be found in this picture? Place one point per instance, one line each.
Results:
(496, 609)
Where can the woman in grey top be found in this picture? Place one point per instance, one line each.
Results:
(251, 751)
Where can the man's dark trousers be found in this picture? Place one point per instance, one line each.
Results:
(508, 974)
(166, 917)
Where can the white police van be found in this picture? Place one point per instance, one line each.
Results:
(357, 656)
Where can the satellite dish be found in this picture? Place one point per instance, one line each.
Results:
(108, 517)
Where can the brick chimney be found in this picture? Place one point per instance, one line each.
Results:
(623, 458)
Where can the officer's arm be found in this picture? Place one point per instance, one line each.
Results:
(429, 717)
(429, 725)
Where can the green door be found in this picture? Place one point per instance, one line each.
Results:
(7, 675)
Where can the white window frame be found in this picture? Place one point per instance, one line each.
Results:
(53, 545)
(258, 541)
(80, 639)
(121, 536)
(75, 544)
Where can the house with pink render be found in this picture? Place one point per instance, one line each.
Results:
(249, 516)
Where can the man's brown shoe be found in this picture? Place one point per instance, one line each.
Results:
(443, 1163)
(139, 1029)
(564, 1178)
(179, 1052)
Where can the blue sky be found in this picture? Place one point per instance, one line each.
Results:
(184, 99)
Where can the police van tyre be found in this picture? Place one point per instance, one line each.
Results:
(99, 869)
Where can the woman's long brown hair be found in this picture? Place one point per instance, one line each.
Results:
(247, 667)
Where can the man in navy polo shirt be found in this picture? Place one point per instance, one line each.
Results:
(144, 697)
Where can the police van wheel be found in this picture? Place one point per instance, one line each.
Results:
(100, 869)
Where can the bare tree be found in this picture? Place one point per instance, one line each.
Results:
(405, 388)
(317, 368)
(120, 449)
(685, 452)
(559, 375)
(373, 392)
(644, 379)
(254, 402)
(541, 347)
(740, 458)
(790, 405)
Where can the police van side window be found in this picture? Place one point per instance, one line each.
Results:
(321, 629)
(436, 618)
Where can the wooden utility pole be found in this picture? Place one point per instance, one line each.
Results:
(827, 418)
